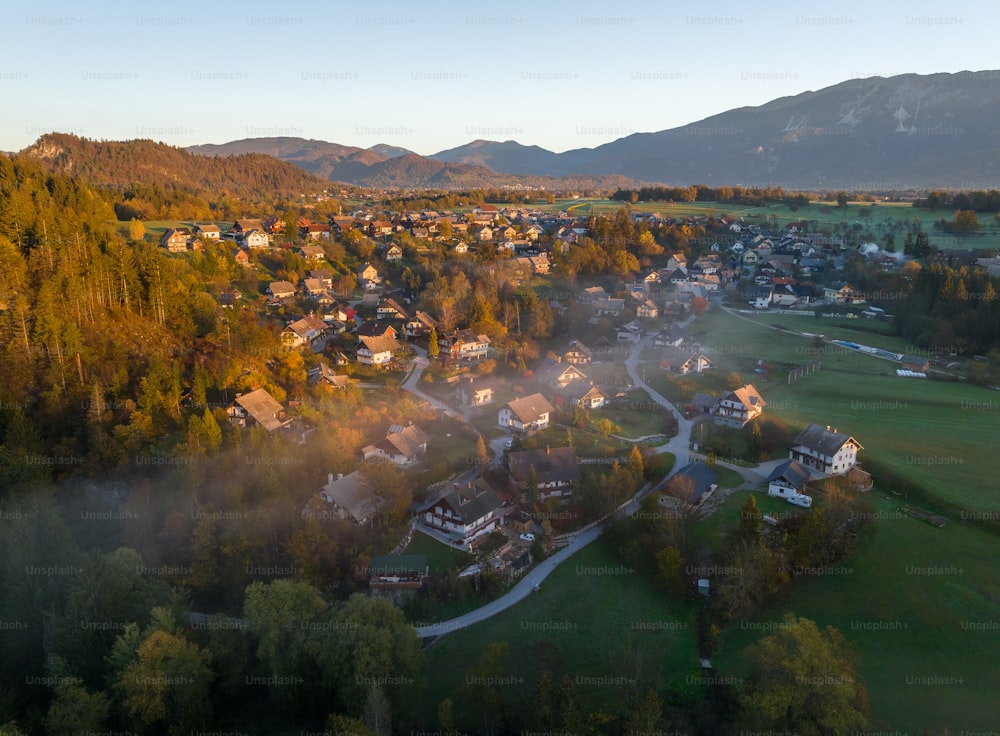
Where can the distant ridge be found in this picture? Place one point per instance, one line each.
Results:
(900, 132)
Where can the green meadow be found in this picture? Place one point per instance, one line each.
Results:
(932, 436)
(920, 604)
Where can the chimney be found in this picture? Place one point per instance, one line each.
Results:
(329, 478)
(548, 450)
(339, 476)
(828, 428)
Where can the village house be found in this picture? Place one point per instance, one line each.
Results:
(175, 240)
(556, 374)
(208, 232)
(825, 450)
(241, 227)
(788, 481)
(379, 228)
(281, 290)
(312, 253)
(313, 287)
(309, 330)
(465, 345)
(317, 230)
(376, 351)
(350, 497)
(693, 483)
(391, 309)
(254, 239)
(368, 277)
(473, 391)
(647, 310)
(577, 354)
(526, 414)
(556, 471)
(608, 307)
(739, 407)
(466, 514)
(419, 325)
(375, 328)
(341, 225)
(672, 336)
(257, 408)
(228, 299)
(677, 260)
(842, 292)
(241, 257)
(592, 294)
(683, 361)
(586, 395)
(401, 445)
(324, 376)
(393, 254)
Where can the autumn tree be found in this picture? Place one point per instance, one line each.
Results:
(433, 349)
(805, 679)
(136, 230)
(280, 613)
(482, 457)
(167, 683)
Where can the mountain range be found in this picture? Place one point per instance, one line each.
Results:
(900, 132)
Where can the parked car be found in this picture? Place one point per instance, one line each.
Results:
(528, 537)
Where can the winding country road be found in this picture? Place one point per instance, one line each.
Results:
(678, 446)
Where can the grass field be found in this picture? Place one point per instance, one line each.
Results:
(929, 434)
(581, 624)
(917, 602)
(884, 216)
(640, 417)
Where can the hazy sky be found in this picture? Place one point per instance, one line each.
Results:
(557, 75)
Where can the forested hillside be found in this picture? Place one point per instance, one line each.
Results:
(155, 181)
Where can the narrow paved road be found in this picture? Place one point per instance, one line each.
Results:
(519, 592)
(679, 445)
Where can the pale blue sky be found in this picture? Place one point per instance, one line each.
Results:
(556, 75)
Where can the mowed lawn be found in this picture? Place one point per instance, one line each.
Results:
(918, 602)
(581, 624)
(440, 557)
(932, 434)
